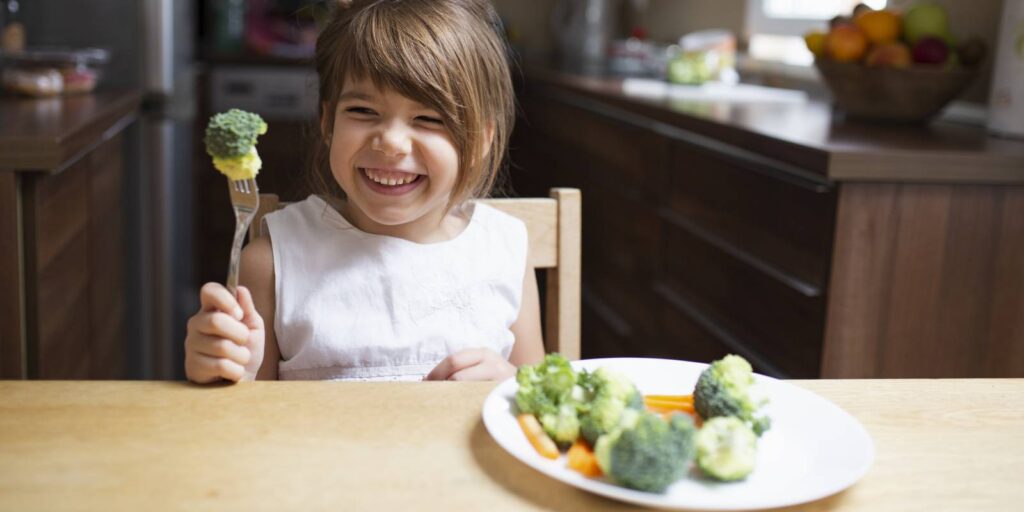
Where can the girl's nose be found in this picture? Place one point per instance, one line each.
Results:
(392, 141)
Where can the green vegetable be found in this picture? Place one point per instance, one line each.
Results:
(231, 141)
(726, 448)
(563, 426)
(646, 452)
(550, 391)
(612, 394)
(543, 387)
(232, 134)
(724, 389)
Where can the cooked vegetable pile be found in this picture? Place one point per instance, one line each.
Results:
(231, 141)
(642, 442)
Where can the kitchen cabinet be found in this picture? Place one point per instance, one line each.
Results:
(62, 253)
(812, 246)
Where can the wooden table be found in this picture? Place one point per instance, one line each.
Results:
(77, 445)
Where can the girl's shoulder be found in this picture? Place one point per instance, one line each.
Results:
(313, 213)
(491, 217)
(499, 227)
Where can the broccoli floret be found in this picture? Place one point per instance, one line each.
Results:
(563, 426)
(726, 448)
(723, 389)
(530, 397)
(646, 452)
(613, 393)
(557, 376)
(613, 384)
(549, 390)
(231, 141)
(231, 134)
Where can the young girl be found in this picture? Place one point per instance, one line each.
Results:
(392, 273)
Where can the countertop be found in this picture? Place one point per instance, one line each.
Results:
(807, 134)
(46, 134)
(94, 445)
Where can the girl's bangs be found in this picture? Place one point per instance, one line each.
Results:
(396, 60)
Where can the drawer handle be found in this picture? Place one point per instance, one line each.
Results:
(790, 281)
(607, 313)
(718, 331)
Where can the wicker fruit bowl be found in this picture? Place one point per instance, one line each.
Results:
(912, 94)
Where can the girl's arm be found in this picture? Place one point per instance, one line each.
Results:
(256, 273)
(485, 363)
(529, 344)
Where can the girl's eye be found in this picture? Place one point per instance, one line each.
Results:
(360, 110)
(432, 120)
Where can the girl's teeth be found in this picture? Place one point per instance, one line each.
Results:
(391, 182)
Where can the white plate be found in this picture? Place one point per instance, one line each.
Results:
(814, 449)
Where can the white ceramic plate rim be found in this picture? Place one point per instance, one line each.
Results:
(835, 450)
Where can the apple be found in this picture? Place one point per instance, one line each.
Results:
(930, 50)
(925, 19)
(889, 55)
(845, 43)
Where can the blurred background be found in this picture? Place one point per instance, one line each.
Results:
(165, 66)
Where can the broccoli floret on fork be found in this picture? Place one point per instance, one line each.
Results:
(231, 141)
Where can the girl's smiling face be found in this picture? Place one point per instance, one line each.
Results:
(395, 160)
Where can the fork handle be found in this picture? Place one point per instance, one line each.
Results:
(236, 252)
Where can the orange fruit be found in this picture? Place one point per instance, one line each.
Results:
(888, 55)
(846, 43)
(879, 26)
(815, 42)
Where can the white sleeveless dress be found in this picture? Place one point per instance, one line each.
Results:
(357, 306)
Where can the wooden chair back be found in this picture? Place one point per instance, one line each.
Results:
(553, 224)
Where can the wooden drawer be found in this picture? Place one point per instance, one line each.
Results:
(779, 224)
(684, 338)
(746, 309)
(617, 154)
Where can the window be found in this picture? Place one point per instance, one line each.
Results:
(776, 27)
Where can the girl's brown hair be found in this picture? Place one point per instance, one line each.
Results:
(446, 54)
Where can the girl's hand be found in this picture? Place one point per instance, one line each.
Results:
(225, 338)
(473, 364)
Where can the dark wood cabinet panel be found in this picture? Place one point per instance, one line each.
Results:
(640, 189)
(778, 226)
(12, 349)
(63, 251)
(74, 269)
(619, 155)
(779, 324)
(711, 236)
(683, 336)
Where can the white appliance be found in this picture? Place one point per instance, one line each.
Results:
(1006, 101)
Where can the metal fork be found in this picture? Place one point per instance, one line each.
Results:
(245, 199)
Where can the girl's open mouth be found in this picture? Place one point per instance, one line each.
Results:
(390, 182)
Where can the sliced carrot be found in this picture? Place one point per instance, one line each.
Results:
(669, 405)
(537, 437)
(671, 398)
(582, 459)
